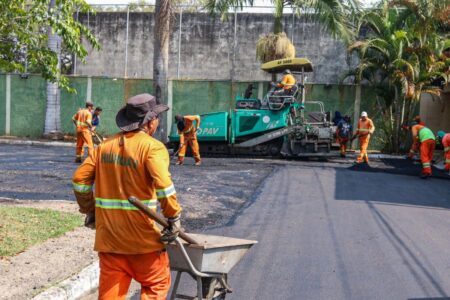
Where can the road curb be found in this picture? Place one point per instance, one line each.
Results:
(35, 143)
(74, 287)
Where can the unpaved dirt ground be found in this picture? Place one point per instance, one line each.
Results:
(40, 177)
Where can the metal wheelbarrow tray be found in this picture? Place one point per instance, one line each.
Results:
(208, 262)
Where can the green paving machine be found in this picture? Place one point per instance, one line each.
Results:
(279, 124)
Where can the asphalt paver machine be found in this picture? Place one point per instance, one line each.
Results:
(279, 124)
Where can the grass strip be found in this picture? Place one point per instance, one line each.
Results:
(22, 227)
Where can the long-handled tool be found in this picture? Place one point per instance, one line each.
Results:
(208, 262)
(158, 218)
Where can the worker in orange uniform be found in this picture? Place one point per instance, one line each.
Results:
(83, 122)
(423, 139)
(188, 136)
(286, 83)
(131, 163)
(444, 140)
(363, 132)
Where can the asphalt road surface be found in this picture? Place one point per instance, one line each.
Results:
(326, 232)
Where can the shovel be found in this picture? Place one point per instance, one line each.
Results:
(159, 219)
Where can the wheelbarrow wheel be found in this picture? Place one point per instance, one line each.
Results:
(213, 289)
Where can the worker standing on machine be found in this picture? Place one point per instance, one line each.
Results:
(188, 136)
(444, 140)
(363, 132)
(286, 84)
(131, 163)
(423, 139)
(344, 132)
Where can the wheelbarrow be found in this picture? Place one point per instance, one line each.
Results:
(206, 258)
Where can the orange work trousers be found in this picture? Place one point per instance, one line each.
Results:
(447, 160)
(342, 145)
(363, 144)
(193, 143)
(84, 138)
(426, 155)
(151, 270)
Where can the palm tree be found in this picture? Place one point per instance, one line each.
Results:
(333, 14)
(163, 12)
(52, 127)
(398, 58)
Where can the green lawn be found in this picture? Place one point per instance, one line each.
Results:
(22, 227)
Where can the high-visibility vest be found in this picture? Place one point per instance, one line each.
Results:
(426, 134)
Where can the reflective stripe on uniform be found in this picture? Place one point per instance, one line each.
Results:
(82, 123)
(426, 165)
(182, 155)
(164, 193)
(189, 130)
(363, 129)
(447, 149)
(447, 161)
(81, 188)
(122, 204)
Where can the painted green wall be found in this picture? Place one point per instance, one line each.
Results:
(2, 103)
(28, 97)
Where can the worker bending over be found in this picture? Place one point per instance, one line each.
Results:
(188, 136)
(423, 139)
(344, 132)
(363, 132)
(131, 163)
(83, 122)
(444, 140)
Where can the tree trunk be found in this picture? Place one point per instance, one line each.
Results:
(161, 59)
(52, 126)
(278, 22)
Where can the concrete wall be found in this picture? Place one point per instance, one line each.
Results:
(208, 48)
(435, 111)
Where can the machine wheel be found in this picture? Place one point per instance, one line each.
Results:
(213, 289)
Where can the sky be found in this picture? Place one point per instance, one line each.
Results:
(366, 2)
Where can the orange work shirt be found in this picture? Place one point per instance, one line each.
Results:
(365, 127)
(83, 119)
(287, 82)
(128, 164)
(189, 128)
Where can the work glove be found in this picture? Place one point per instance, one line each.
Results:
(170, 233)
(89, 221)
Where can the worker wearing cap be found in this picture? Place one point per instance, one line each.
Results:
(287, 82)
(131, 163)
(363, 132)
(187, 129)
(444, 140)
(83, 122)
(423, 139)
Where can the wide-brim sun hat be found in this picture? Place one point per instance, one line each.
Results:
(138, 110)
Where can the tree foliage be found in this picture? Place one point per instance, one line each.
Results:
(400, 56)
(24, 26)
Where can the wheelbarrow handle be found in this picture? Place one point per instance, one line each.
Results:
(158, 218)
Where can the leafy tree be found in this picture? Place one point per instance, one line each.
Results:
(400, 57)
(24, 38)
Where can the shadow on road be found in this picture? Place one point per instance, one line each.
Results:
(397, 166)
